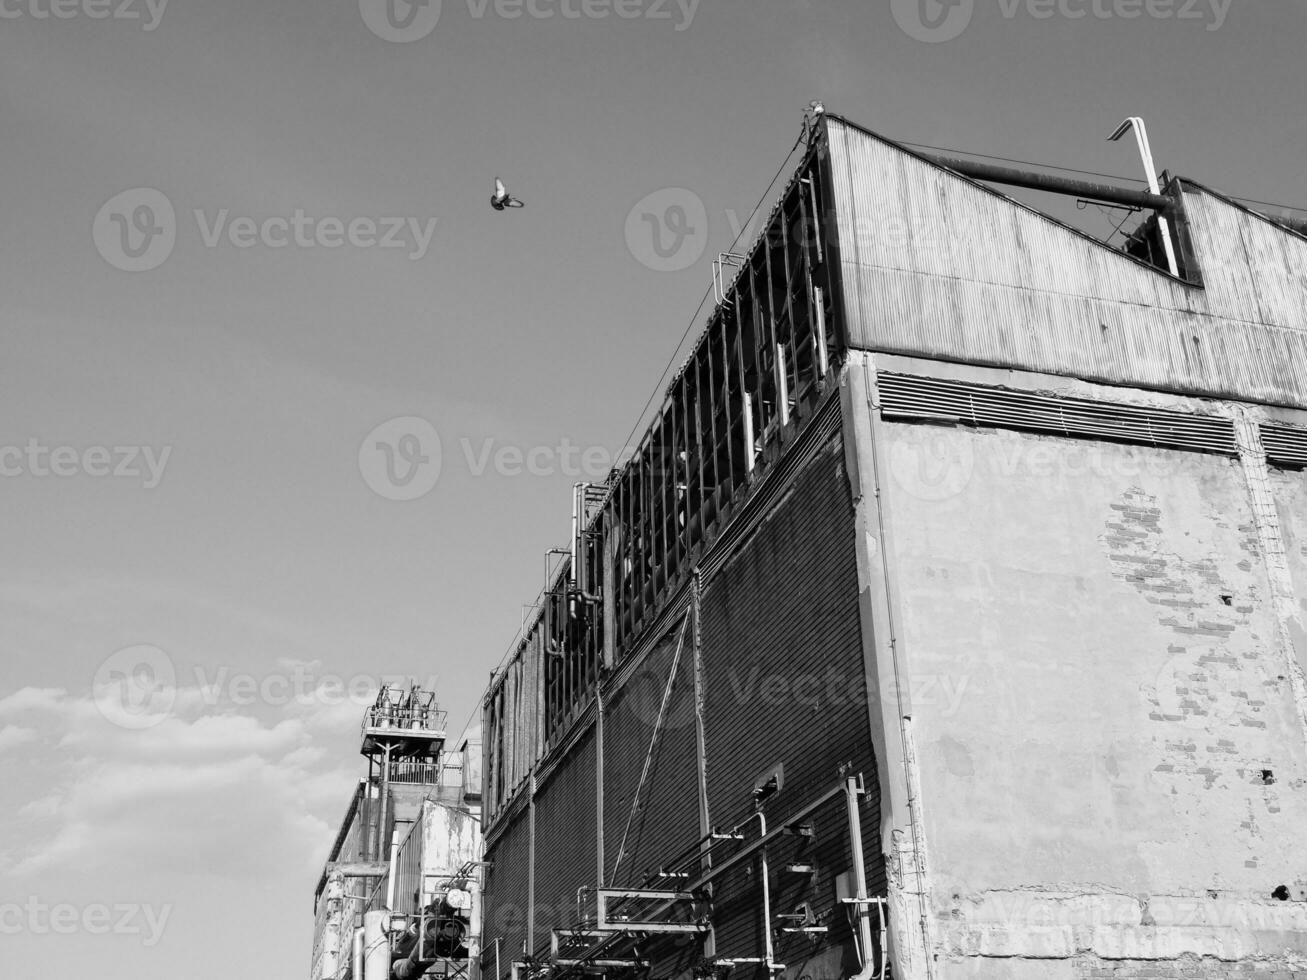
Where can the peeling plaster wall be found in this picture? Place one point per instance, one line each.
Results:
(1097, 687)
(1290, 492)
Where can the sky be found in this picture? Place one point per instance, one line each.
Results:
(287, 411)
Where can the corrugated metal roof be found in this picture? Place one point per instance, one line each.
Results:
(939, 266)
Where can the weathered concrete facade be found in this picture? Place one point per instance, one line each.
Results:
(1039, 508)
(1094, 716)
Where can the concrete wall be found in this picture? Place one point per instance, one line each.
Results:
(1106, 746)
(1290, 493)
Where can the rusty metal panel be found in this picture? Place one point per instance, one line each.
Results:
(935, 265)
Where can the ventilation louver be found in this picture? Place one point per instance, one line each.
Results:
(940, 400)
(1285, 446)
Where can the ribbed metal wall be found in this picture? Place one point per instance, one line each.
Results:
(937, 266)
(785, 684)
(507, 896)
(667, 818)
(565, 839)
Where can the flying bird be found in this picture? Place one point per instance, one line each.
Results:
(502, 199)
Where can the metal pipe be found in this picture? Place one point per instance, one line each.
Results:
(477, 918)
(851, 793)
(768, 951)
(1150, 169)
(1108, 193)
(600, 859)
(356, 957)
(376, 946)
(383, 806)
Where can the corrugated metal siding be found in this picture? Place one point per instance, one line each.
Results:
(784, 611)
(937, 266)
(667, 820)
(565, 839)
(506, 896)
(514, 746)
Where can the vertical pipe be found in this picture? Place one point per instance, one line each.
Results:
(477, 917)
(701, 756)
(783, 383)
(769, 953)
(383, 805)
(851, 792)
(356, 956)
(599, 780)
(531, 866)
(376, 946)
(749, 449)
(823, 351)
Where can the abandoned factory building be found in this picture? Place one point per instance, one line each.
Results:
(950, 620)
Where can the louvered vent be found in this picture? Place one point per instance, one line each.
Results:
(936, 399)
(1285, 446)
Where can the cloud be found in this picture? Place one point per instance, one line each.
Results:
(205, 793)
(13, 735)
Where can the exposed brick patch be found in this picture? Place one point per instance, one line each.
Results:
(1204, 968)
(1207, 684)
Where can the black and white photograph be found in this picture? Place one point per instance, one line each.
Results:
(653, 490)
